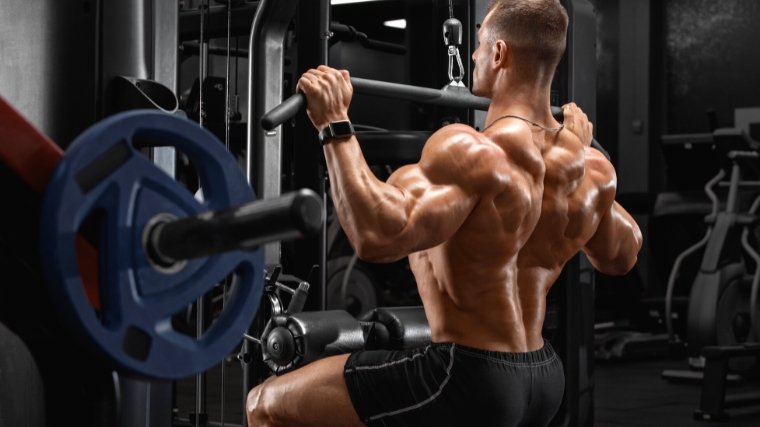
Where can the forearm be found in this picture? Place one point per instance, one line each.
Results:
(371, 212)
(615, 246)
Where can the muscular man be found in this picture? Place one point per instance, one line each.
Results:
(488, 221)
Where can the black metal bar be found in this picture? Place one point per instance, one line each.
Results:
(192, 48)
(713, 390)
(283, 112)
(325, 11)
(201, 416)
(741, 399)
(324, 184)
(350, 34)
(242, 16)
(381, 46)
(244, 227)
(450, 97)
(325, 20)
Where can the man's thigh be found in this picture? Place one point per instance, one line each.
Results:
(315, 395)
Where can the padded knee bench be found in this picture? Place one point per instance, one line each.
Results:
(294, 340)
(397, 328)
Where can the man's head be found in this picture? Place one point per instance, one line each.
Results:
(528, 36)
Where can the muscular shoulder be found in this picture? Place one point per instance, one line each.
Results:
(458, 154)
(601, 174)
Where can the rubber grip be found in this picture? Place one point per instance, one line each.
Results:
(559, 115)
(281, 113)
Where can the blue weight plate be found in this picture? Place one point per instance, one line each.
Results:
(103, 173)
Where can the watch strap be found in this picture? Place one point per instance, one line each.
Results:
(339, 129)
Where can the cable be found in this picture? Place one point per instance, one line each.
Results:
(227, 79)
(224, 301)
(201, 66)
(452, 36)
(227, 146)
(199, 380)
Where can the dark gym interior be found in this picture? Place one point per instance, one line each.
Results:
(169, 219)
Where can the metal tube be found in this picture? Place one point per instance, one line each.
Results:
(324, 31)
(264, 149)
(202, 70)
(323, 186)
(325, 9)
(733, 189)
(672, 283)
(200, 379)
(450, 97)
(711, 194)
(677, 264)
(753, 306)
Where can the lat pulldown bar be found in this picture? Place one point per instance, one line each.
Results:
(450, 97)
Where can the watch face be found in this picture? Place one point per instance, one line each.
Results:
(342, 128)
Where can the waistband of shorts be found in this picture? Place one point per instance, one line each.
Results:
(538, 357)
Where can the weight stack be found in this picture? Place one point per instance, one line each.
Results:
(569, 327)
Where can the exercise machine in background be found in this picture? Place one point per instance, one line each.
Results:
(723, 317)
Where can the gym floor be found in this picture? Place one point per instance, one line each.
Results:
(631, 393)
(628, 394)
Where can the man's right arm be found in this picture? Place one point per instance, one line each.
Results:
(615, 246)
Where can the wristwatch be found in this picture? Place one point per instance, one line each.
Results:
(339, 129)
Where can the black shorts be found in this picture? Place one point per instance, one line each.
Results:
(447, 384)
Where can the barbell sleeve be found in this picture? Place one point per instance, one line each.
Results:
(244, 227)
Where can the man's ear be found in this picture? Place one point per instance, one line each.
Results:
(500, 57)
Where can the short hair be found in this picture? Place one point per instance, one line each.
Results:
(536, 30)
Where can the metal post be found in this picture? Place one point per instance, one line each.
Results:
(324, 52)
(165, 42)
(200, 379)
(713, 390)
(633, 115)
(265, 62)
(263, 168)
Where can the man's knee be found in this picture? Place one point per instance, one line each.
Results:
(259, 407)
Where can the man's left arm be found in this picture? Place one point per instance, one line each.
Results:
(419, 207)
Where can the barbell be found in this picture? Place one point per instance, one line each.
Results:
(158, 248)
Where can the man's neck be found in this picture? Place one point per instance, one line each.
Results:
(524, 100)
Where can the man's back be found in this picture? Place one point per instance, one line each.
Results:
(485, 286)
